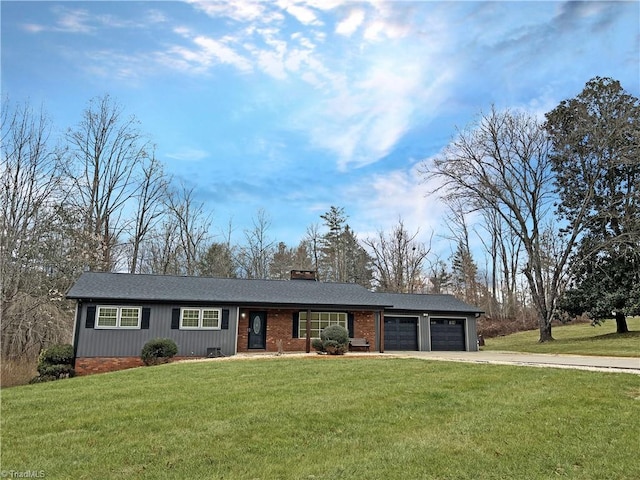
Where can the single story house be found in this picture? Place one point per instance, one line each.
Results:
(117, 313)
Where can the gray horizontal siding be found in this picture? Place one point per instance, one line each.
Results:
(92, 342)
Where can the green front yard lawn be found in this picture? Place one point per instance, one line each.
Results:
(576, 339)
(326, 418)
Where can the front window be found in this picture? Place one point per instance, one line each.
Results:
(319, 321)
(118, 317)
(202, 318)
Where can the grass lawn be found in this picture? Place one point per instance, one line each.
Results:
(577, 339)
(326, 418)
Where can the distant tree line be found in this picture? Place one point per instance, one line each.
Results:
(543, 219)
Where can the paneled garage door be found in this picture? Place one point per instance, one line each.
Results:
(400, 333)
(447, 334)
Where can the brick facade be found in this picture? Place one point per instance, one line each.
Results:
(364, 326)
(91, 365)
(280, 327)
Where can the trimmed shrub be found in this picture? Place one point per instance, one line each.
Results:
(317, 344)
(59, 371)
(42, 378)
(333, 340)
(56, 355)
(54, 363)
(159, 350)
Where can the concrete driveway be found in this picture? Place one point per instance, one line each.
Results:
(603, 364)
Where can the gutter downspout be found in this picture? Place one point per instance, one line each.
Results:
(76, 331)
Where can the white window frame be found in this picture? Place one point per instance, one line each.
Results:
(302, 331)
(118, 325)
(200, 311)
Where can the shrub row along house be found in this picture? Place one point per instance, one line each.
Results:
(118, 313)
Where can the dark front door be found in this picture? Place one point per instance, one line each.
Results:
(258, 330)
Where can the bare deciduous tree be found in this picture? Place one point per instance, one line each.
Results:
(398, 260)
(439, 277)
(32, 312)
(501, 163)
(151, 200)
(255, 257)
(162, 249)
(504, 250)
(312, 241)
(106, 151)
(192, 226)
(463, 267)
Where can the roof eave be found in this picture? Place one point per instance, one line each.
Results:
(239, 303)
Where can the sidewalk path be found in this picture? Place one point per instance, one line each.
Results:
(607, 364)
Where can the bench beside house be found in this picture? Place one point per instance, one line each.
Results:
(359, 344)
(118, 313)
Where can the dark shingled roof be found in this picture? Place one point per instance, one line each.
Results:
(426, 302)
(162, 288)
(100, 286)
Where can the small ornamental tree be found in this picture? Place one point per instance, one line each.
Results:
(158, 350)
(333, 340)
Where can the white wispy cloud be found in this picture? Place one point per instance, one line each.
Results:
(351, 23)
(362, 121)
(82, 21)
(74, 20)
(188, 155)
(363, 107)
(68, 20)
(239, 10)
(381, 199)
(218, 50)
(33, 27)
(303, 14)
(382, 67)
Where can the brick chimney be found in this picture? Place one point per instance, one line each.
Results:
(303, 275)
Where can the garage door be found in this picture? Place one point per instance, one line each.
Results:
(447, 335)
(400, 333)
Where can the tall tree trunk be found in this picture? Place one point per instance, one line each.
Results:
(621, 323)
(545, 332)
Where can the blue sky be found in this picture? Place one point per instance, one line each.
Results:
(294, 106)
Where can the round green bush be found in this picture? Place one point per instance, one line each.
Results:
(158, 350)
(317, 344)
(55, 362)
(335, 339)
(335, 332)
(56, 355)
